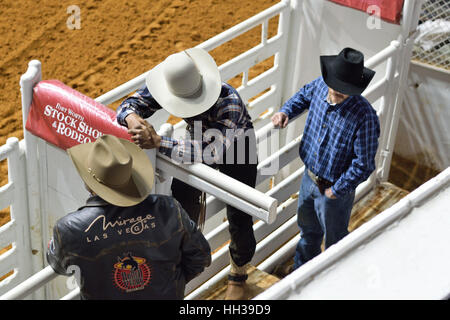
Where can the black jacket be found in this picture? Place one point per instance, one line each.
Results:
(148, 251)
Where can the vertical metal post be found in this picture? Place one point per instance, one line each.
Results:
(291, 74)
(411, 13)
(32, 76)
(264, 30)
(387, 112)
(280, 60)
(291, 71)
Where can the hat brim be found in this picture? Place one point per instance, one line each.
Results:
(332, 81)
(193, 105)
(131, 193)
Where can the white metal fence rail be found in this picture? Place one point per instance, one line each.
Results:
(284, 230)
(260, 205)
(14, 232)
(270, 237)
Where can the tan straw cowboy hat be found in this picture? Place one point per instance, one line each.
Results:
(186, 83)
(115, 169)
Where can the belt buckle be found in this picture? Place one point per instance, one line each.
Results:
(314, 177)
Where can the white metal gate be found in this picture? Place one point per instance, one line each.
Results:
(16, 231)
(50, 196)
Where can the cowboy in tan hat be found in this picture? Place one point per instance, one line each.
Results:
(188, 85)
(338, 148)
(125, 242)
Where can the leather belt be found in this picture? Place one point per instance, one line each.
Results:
(321, 183)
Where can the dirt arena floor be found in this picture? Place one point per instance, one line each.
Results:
(117, 41)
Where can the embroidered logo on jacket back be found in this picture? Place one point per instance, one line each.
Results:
(131, 273)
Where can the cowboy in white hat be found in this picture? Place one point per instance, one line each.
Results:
(338, 148)
(124, 232)
(188, 85)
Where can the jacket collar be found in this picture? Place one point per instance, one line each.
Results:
(95, 201)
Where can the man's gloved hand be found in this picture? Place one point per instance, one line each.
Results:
(142, 133)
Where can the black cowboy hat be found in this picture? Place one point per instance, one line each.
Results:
(345, 72)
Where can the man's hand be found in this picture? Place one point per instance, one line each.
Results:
(142, 133)
(329, 194)
(133, 120)
(280, 119)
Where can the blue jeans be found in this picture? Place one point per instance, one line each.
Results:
(319, 216)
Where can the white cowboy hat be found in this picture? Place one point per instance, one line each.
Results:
(186, 83)
(116, 169)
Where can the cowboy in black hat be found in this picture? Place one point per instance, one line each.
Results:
(338, 148)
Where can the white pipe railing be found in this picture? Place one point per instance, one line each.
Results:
(357, 238)
(15, 231)
(391, 83)
(122, 90)
(365, 187)
(202, 172)
(72, 295)
(383, 55)
(223, 187)
(263, 232)
(289, 229)
(30, 285)
(262, 206)
(243, 27)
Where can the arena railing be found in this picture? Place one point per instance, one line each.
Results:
(14, 233)
(352, 246)
(270, 237)
(252, 201)
(281, 241)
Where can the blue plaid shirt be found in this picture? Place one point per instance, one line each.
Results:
(339, 141)
(228, 113)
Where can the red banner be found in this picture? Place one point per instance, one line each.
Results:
(65, 117)
(389, 10)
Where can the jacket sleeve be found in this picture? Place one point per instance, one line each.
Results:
(196, 252)
(55, 253)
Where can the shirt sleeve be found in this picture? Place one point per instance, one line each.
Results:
(141, 102)
(363, 164)
(300, 101)
(214, 142)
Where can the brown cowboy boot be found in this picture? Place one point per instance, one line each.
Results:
(237, 288)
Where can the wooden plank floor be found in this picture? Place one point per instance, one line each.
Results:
(382, 197)
(257, 282)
